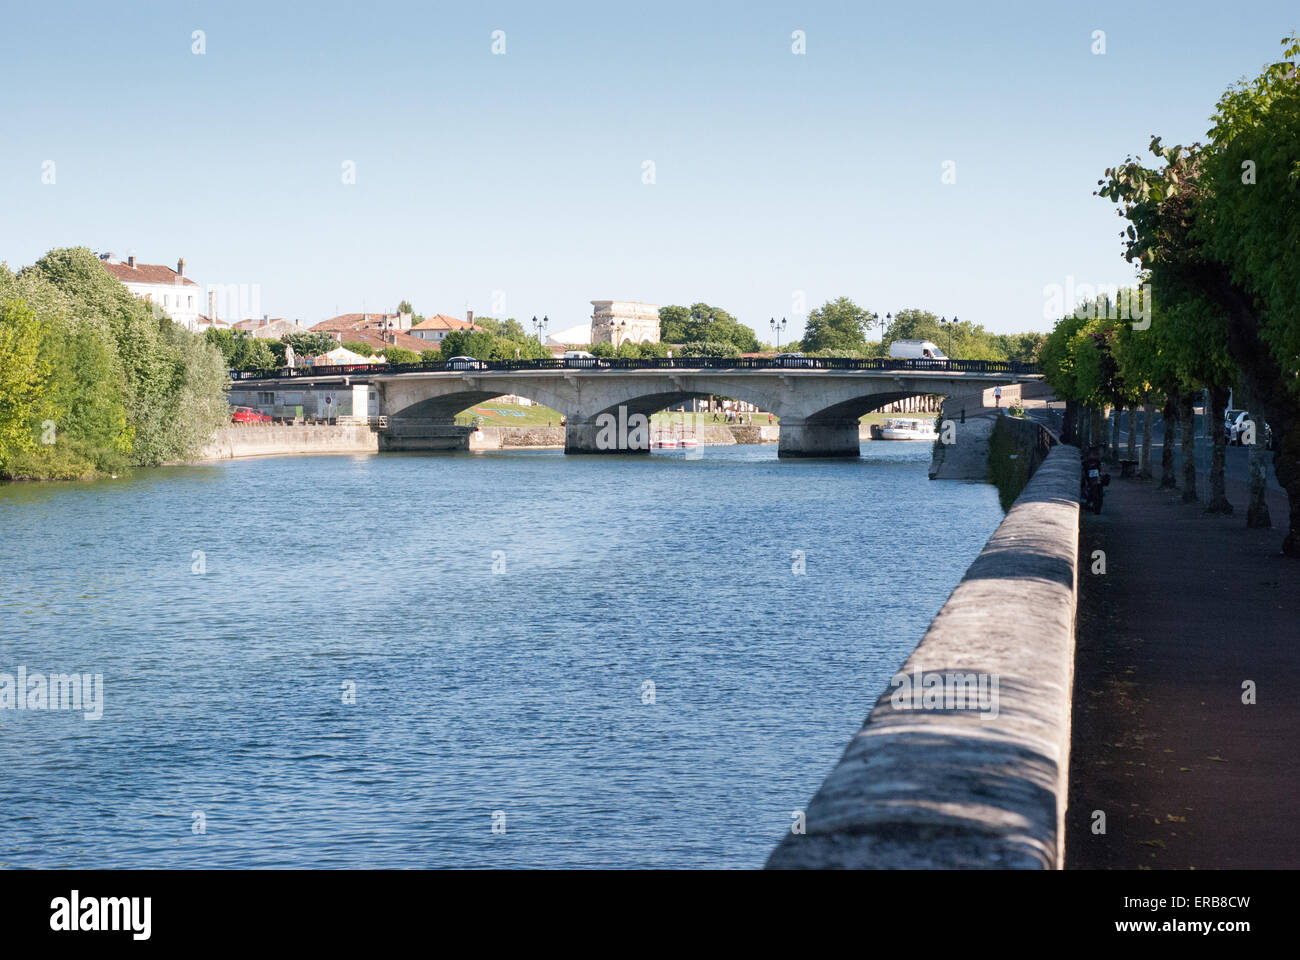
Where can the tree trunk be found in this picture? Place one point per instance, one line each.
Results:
(1267, 382)
(1132, 432)
(1187, 417)
(1068, 422)
(1168, 476)
(1218, 397)
(1113, 453)
(1257, 515)
(1148, 413)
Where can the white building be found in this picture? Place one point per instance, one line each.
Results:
(435, 328)
(579, 333)
(268, 328)
(178, 296)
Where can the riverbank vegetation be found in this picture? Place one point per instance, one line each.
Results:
(1212, 228)
(838, 328)
(93, 380)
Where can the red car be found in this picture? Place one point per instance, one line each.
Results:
(248, 415)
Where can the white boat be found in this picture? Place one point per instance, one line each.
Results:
(902, 428)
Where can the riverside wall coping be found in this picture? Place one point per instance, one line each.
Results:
(938, 788)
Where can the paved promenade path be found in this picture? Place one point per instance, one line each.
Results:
(1190, 607)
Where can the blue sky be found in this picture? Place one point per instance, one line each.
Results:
(522, 173)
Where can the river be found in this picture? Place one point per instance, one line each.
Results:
(644, 681)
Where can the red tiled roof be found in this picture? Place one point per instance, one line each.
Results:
(376, 340)
(351, 321)
(146, 273)
(254, 323)
(440, 321)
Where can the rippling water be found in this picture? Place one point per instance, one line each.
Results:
(477, 693)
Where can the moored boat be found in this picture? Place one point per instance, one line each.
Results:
(904, 428)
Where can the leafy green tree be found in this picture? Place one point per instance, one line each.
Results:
(467, 343)
(394, 354)
(707, 348)
(704, 323)
(1209, 222)
(123, 384)
(836, 325)
(24, 379)
(356, 346)
(310, 343)
(961, 339)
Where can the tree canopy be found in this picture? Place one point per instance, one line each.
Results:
(700, 323)
(112, 381)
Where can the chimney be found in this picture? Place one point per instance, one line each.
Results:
(266, 318)
(130, 261)
(469, 317)
(180, 266)
(212, 304)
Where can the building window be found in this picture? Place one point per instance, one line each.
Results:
(266, 397)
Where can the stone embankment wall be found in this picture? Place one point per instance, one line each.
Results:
(948, 784)
(1015, 450)
(237, 440)
(498, 438)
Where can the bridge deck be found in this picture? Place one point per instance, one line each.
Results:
(819, 367)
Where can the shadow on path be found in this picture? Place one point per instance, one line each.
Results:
(1191, 606)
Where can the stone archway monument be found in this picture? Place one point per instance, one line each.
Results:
(621, 321)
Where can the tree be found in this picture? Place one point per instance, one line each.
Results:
(836, 325)
(310, 343)
(1211, 222)
(357, 346)
(1148, 360)
(705, 348)
(122, 383)
(24, 380)
(702, 322)
(960, 339)
(393, 354)
(468, 343)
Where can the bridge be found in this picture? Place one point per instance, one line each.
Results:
(819, 400)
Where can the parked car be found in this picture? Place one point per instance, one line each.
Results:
(793, 360)
(1235, 425)
(465, 363)
(248, 415)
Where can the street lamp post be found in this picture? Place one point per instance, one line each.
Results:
(539, 326)
(777, 328)
(945, 322)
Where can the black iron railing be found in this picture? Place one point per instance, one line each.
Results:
(1007, 367)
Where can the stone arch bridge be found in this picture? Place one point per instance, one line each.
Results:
(819, 406)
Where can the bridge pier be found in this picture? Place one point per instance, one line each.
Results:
(588, 436)
(818, 438)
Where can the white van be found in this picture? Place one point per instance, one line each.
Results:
(579, 358)
(915, 350)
